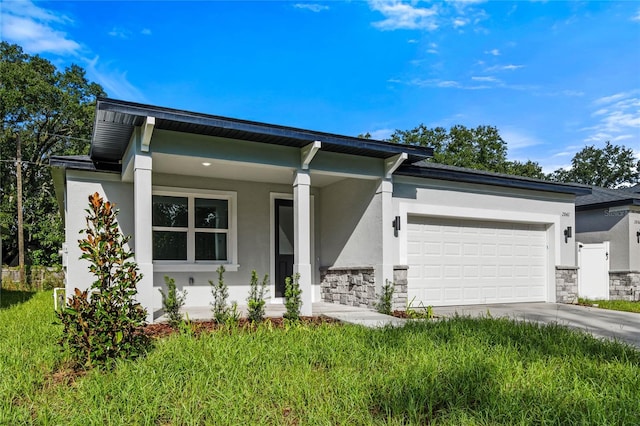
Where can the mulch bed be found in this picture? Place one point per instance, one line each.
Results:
(160, 330)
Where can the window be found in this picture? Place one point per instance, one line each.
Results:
(193, 228)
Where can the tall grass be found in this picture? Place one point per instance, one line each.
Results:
(28, 351)
(616, 305)
(459, 371)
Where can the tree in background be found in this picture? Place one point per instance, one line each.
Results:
(481, 148)
(610, 167)
(52, 113)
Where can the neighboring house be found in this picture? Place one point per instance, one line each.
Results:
(608, 236)
(196, 191)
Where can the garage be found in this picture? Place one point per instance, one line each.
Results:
(463, 262)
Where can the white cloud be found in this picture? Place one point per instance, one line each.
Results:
(314, 7)
(40, 31)
(119, 32)
(35, 29)
(617, 118)
(460, 22)
(487, 79)
(145, 31)
(494, 52)
(636, 17)
(405, 16)
(412, 41)
(114, 82)
(510, 67)
(412, 16)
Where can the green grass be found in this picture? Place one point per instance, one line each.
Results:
(616, 305)
(454, 372)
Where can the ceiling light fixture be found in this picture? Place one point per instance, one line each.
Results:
(206, 164)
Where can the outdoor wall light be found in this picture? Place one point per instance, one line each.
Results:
(638, 236)
(568, 233)
(396, 226)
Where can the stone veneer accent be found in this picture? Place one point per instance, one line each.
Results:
(567, 284)
(355, 286)
(400, 295)
(352, 286)
(624, 285)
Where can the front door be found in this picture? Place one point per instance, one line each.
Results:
(284, 243)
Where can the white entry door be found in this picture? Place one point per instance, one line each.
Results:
(593, 275)
(461, 261)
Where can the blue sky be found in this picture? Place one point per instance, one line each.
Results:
(552, 76)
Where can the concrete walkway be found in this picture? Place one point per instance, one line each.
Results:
(603, 323)
(349, 314)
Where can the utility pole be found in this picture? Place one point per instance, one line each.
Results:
(20, 224)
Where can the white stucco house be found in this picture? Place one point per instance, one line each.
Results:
(608, 237)
(347, 214)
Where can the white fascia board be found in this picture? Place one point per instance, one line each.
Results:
(147, 131)
(392, 163)
(308, 152)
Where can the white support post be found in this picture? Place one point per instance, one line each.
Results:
(302, 237)
(143, 249)
(384, 270)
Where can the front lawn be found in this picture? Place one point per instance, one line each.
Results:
(458, 371)
(616, 305)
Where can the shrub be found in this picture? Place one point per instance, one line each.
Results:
(172, 301)
(292, 299)
(220, 294)
(385, 299)
(255, 301)
(102, 324)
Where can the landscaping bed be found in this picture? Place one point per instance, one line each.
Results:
(159, 330)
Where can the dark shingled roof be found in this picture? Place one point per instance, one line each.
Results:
(428, 169)
(115, 121)
(603, 197)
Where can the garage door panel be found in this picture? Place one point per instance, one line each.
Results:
(475, 261)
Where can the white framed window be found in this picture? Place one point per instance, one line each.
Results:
(193, 230)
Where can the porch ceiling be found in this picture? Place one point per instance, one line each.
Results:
(219, 169)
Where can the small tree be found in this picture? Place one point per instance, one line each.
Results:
(220, 294)
(172, 301)
(255, 301)
(385, 299)
(104, 323)
(292, 298)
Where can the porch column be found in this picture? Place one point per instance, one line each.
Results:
(384, 270)
(143, 232)
(302, 237)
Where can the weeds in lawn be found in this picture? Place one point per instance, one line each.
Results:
(418, 312)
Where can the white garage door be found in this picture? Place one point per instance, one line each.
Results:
(459, 261)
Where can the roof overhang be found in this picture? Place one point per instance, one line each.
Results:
(457, 174)
(116, 120)
(609, 204)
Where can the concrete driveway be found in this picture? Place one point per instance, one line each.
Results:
(623, 326)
